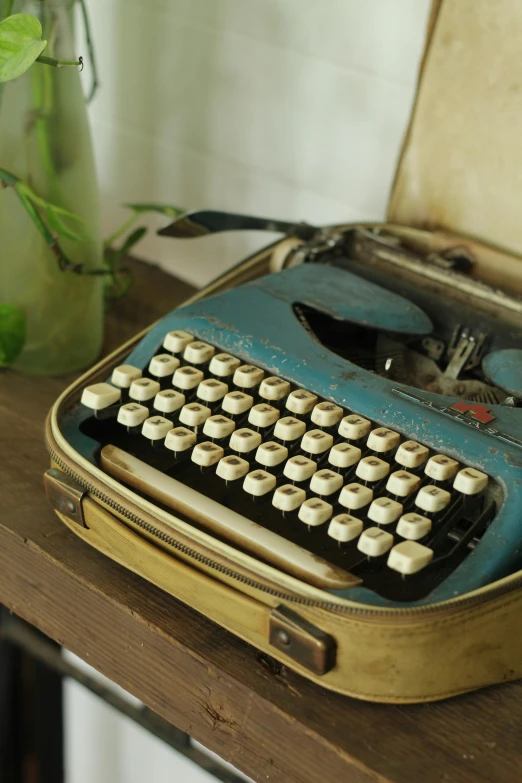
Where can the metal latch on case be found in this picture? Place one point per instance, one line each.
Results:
(65, 495)
(299, 639)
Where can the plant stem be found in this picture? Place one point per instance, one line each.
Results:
(58, 63)
(121, 230)
(8, 8)
(90, 50)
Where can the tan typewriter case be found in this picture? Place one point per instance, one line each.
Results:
(458, 183)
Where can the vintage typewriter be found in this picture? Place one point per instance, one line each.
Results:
(334, 419)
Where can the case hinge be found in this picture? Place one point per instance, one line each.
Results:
(299, 639)
(65, 495)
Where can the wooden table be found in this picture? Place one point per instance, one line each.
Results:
(269, 722)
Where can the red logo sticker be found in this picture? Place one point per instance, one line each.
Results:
(476, 411)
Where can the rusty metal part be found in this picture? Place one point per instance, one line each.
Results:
(299, 639)
(65, 495)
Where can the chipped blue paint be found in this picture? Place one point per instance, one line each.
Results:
(256, 323)
(504, 369)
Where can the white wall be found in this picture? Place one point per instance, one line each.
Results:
(286, 108)
(102, 746)
(291, 108)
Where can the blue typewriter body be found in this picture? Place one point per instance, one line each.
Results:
(257, 322)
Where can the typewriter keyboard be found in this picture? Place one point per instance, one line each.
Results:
(228, 446)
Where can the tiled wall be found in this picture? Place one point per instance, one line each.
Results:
(290, 108)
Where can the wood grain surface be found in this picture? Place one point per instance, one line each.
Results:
(270, 723)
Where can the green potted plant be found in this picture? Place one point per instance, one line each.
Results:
(51, 287)
(54, 269)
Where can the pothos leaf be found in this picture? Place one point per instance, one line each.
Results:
(20, 45)
(163, 209)
(12, 333)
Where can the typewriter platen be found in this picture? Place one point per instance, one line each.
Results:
(336, 419)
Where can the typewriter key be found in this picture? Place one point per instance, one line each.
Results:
(100, 396)
(384, 511)
(375, 542)
(301, 402)
(440, 468)
(163, 365)
(344, 528)
(288, 497)
(408, 557)
(124, 375)
(326, 414)
(177, 341)
(344, 455)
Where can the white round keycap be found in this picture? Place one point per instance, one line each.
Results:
(177, 341)
(124, 375)
(372, 469)
(314, 512)
(206, 454)
(354, 427)
(408, 557)
(168, 401)
(156, 428)
(301, 401)
(271, 454)
(411, 454)
(402, 483)
(132, 414)
(326, 414)
(299, 468)
(244, 440)
(470, 481)
(218, 427)
(247, 376)
(316, 442)
(211, 390)
(288, 497)
(384, 511)
(263, 415)
(100, 395)
(187, 378)
(440, 468)
(223, 365)
(344, 455)
(259, 482)
(354, 496)
(274, 388)
(382, 439)
(237, 402)
(413, 526)
(374, 542)
(180, 439)
(345, 528)
(162, 365)
(144, 389)
(289, 428)
(198, 353)
(326, 482)
(194, 414)
(232, 468)
(432, 499)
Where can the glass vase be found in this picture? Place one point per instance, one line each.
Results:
(45, 141)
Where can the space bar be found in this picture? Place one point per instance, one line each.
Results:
(241, 531)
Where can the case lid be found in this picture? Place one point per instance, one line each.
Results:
(461, 165)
